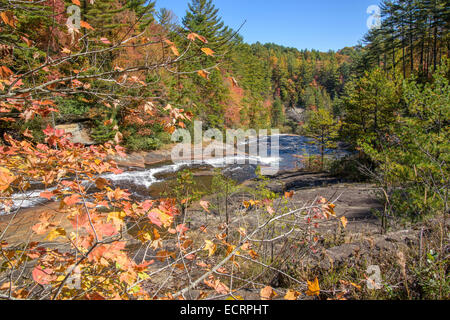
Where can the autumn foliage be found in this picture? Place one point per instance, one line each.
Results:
(82, 247)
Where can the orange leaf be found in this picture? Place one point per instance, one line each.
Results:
(8, 18)
(193, 36)
(292, 295)
(289, 194)
(100, 183)
(86, 25)
(73, 199)
(172, 47)
(6, 178)
(267, 293)
(174, 50)
(313, 288)
(208, 51)
(203, 74)
(76, 2)
(5, 72)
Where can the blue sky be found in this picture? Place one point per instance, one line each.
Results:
(303, 24)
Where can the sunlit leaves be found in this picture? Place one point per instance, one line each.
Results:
(56, 233)
(208, 51)
(117, 219)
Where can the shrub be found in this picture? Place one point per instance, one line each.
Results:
(139, 143)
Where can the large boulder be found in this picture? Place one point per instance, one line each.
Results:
(79, 133)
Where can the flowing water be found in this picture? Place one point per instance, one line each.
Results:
(155, 180)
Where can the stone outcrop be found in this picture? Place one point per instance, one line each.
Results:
(80, 134)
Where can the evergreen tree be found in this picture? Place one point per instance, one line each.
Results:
(323, 129)
(103, 16)
(203, 19)
(144, 10)
(277, 114)
(370, 107)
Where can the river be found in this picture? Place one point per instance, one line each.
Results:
(155, 181)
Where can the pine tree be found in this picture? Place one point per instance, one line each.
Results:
(103, 16)
(144, 10)
(202, 18)
(370, 107)
(323, 129)
(277, 114)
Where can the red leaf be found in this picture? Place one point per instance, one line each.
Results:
(154, 217)
(43, 276)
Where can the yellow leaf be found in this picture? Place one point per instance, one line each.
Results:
(54, 234)
(65, 50)
(117, 218)
(208, 51)
(166, 219)
(344, 222)
(329, 210)
(292, 295)
(313, 288)
(211, 247)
